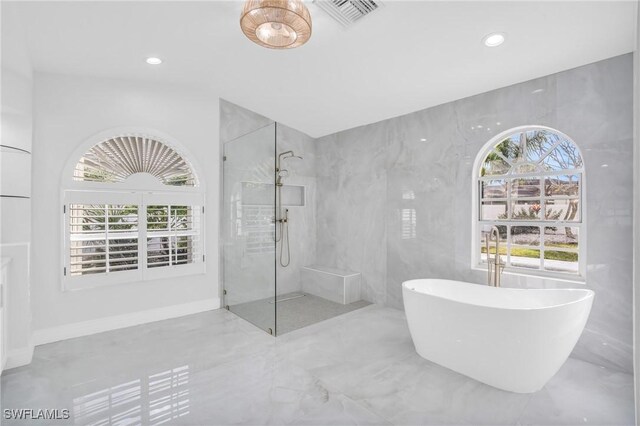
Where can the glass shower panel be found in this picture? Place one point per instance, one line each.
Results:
(248, 227)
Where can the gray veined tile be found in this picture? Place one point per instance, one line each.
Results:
(340, 410)
(254, 390)
(359, 368)
(416, 391)
(583, 393)
(364, 341)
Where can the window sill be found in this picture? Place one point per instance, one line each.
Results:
(120, 278)
(541, 275)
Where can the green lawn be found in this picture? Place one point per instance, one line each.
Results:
(533, 253)
(561, 255)
(573, 246)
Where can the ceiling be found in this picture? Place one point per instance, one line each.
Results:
(407, 56)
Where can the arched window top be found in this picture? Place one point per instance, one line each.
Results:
(116, 159)
(536, 150)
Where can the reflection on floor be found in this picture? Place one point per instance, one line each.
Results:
(293, 311)
(166, 399)
(358, 368)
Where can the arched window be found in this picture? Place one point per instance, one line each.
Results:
(133, 210)
(530, 184)
(116, 159)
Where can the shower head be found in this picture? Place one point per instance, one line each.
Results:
(288, 154)
(284, 156)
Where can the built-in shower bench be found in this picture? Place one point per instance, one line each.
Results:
(333, 284)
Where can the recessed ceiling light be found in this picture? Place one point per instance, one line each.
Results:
(423, 140)
(604, 166)
(154, 61)
(537, 91)
(493, 39)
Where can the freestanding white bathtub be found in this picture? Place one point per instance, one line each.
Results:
(512, 339)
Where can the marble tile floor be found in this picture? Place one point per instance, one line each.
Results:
(358, 368)
(293, 311)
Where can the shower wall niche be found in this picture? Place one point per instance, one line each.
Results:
(292, 195)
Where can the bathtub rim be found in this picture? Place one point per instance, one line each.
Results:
(588, 294)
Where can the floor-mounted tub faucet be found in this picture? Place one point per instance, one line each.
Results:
(495, 266)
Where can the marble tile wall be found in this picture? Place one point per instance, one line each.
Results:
(302, 219)
(420, 165)
(352, 190)
(236, 121)
(237, 124)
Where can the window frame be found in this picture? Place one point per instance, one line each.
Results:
(478, 223)
(143, 272)
(140, 189)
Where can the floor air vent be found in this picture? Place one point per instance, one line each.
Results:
(347, 12)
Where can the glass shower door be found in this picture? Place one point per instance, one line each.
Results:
(248, 227)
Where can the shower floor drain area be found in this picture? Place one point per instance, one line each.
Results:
(294, 310)
(285, 297)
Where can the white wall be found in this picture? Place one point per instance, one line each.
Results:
(15, 186)
(68, 110)
(636, 215)
(15, 210)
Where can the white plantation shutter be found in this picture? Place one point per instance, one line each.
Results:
(173, 241)
(172, 235)
(103, 238)
(141, 237)
(101, 234)
(116, 159)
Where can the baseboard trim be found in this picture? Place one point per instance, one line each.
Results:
(18, 357)
(85, 328)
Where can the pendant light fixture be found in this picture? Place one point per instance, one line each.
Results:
(276, 24)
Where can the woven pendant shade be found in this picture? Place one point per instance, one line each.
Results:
(276, 24)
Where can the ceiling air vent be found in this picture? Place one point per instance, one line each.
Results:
(347, 12)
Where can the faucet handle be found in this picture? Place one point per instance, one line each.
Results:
(487, 245)
(501, 263)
